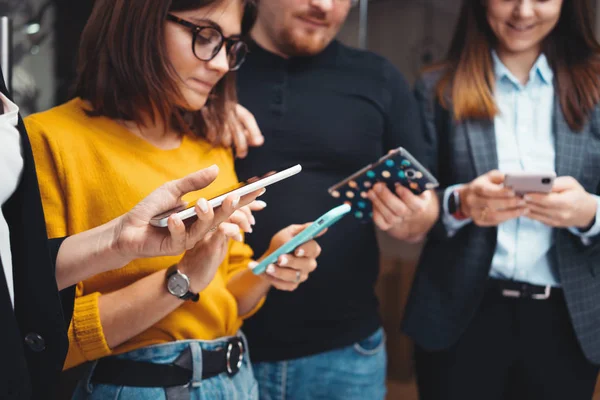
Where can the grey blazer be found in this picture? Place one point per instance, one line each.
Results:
(452, 272)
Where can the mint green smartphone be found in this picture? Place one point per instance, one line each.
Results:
(325, 221)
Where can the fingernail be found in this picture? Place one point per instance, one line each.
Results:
(263, 192)
(252, 264)
(271, 269)
(238, 238)
(378, 188)
(214, 167)
(525, 211)
(522, 203)
(300, 252)
(252, 220)
(260, 203)
(526, 198)
(283, 260)
(177, 220)
(203, 204)
(235, 203)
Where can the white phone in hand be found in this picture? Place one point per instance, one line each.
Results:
(529, 182)
(188, 211)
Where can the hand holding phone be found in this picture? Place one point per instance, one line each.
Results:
(399, 166)
(187, 211)
(523, 182)
(322, 223)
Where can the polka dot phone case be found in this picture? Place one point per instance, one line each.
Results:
(398, 167)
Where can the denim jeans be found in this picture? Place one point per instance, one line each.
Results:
(242, 386)
(356, 372)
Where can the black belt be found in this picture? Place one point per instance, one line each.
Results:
(523, 290)
(121, 372)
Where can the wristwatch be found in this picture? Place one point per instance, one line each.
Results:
(178, 284)
(454, 205)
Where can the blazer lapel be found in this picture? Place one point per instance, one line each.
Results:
(481, 138)
(570, 146)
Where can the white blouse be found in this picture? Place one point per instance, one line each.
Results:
(11, 167)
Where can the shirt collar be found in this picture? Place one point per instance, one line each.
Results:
(11, 111)
(540, 69)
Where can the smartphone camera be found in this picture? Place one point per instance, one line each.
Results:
(546, 181)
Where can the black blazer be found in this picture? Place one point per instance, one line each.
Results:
(33, 336)
(452, 272)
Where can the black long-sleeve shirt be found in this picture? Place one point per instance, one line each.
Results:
(332, 113)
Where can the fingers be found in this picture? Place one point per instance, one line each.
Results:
(241, 219)
(495, 177)
(177, 230)
(200, 227)
(486, 217)
(497, 203)
(195, 181)
(309, 249)
(290, 271)
(257, 205)
(491, 190)
(253, 136)
(387, 213)
(239, 137)
(544, 219)
(563, 183)
(415, 203)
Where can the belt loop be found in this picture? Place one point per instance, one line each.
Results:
(89, 388)
(246, 350)
(196, 364)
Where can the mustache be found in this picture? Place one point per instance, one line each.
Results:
(314, 14)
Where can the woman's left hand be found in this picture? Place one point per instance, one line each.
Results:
(291, 269)
(567, 206)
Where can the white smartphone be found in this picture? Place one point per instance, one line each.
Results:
(187, 211)
(530, 182)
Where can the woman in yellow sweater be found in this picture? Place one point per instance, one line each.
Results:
(152, 78)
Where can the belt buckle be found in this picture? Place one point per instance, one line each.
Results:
(543, 296)
(511, 293)
(238, 365)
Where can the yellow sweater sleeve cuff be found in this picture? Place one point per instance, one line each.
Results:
(87, 329)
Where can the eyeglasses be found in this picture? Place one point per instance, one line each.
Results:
(207, 42)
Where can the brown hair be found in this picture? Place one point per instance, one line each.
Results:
(571, 49)
(124, 73)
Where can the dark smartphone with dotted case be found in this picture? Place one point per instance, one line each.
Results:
(398, 167)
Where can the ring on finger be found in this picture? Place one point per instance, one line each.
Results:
(298, 277)
(214, 228)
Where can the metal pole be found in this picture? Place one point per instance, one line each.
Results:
(363, 34)
(597, 10)
(6, 50)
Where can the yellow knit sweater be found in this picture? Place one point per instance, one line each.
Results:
(91, 170)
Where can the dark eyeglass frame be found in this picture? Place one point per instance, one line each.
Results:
(229, 42)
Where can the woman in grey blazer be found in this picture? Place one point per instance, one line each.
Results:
(506, 301)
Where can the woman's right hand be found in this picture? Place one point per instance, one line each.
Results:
(488, 203)
(202, 261)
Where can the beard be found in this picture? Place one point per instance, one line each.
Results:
(302, 45)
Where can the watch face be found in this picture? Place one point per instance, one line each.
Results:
(178, 285)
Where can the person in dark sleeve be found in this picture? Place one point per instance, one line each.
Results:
(332, 109)
(34, 314)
